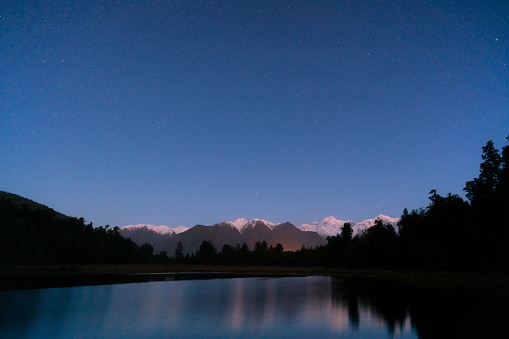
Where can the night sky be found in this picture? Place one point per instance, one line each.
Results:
(196, 112)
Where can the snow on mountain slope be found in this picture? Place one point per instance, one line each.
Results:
(162, 230)
(179, 229)
(331, 226)
(361, 226)
(328, 226)
(241, 224)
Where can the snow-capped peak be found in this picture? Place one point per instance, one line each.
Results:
(271, 225)
(241, 224)
(330, 219)
(179, 229)
(330, 226)
(386, 219)
(370, 222)
(162, 230)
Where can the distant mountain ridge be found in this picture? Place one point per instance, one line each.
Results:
(243, 231)
(233, 233)
(149, 234)
(162, 230)
(330, 226)
(242, 224)
(240, 232)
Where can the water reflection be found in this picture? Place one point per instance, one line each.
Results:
(241, 307)
(429, 312)
(382, 304)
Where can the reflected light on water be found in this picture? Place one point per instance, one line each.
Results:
(243, 307)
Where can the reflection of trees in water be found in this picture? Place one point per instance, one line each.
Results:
(342, 294)
(353, 309)
(382, 301)
(256, 306)
(433, 313)
(458, 315)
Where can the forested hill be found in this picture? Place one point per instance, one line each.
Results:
(449, 234)
(19, 201)
(32, 234)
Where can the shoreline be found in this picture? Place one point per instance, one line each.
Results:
(34, 277)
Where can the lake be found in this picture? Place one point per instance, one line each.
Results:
(317, 306)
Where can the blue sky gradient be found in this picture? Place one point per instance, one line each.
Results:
(195, 112)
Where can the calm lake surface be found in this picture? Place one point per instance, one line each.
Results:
(248, 307)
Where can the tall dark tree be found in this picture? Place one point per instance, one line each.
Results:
(147, 251)
(206, 253)
(440, 236)
(227, 248)
(337, 245)
(481, 190)
(489, 197)
(379, 244)
(346, 232)
(503, 179)
(179, 252)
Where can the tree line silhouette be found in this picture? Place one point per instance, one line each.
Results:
(450, 233)
(207, 254)
(37, 235)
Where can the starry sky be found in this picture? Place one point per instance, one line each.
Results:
(196, 112)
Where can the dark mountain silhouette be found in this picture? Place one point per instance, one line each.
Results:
(218, 234)
(289, 236)
(19, 201)
(34, 234)
(294, 238)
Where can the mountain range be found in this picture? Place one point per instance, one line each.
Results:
(240, 231)
(330, 226)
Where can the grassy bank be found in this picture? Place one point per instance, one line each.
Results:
(20, 277)
(156, 268)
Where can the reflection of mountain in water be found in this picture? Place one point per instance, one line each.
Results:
(247, 307)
